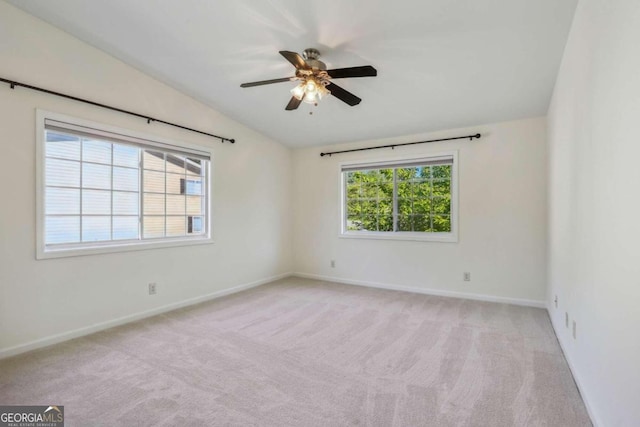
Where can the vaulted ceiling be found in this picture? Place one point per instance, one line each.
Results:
(441, 63)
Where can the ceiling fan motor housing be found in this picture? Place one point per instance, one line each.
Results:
(311, 56)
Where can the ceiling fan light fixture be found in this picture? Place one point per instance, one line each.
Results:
(310, 90)
(298, 91)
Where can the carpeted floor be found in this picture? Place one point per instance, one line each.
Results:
(307, 353)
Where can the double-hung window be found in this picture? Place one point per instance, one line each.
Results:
(103, 189)
(414, 199)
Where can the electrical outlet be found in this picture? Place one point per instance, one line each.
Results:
(566, 319)
(556, 301)
(152, 289)
(574, 330)
(466, 276)
(333, 263)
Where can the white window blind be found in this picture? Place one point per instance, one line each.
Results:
(108, 189)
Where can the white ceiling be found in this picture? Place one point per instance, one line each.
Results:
(441, 63)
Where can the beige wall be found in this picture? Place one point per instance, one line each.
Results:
(42, 301)
(502, 218)
(594, 208)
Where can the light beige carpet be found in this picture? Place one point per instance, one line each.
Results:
(308, 353)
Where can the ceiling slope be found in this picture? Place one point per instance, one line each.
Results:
(441, 63)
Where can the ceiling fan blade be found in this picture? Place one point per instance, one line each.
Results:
(343, 95)
(267, 82)
(364, 71)
(293, 103)
(295, 59)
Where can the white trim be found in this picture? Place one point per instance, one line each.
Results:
(65, 336)
(574, 372)
(425, 291)
(43, 252)
(451, 237)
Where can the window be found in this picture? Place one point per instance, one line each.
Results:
(411, 199)
(105, 190)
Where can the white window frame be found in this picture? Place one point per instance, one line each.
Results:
(451, 237)
(44, 252)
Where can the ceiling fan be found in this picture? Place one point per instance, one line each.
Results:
(315, 79)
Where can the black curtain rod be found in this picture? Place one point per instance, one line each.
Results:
(392, 146)
(13, 84)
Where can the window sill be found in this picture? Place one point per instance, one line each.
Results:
(430, 237)
(120, 247)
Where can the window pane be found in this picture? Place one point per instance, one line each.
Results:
(442, 223)
(385, 190)
(153, 160)
(422, 189)
(191, 185)
(353, 190)
(176, 205)
(424, 172)
(405, 222)
(386, 175)
(195, 225)
(124, 155)
(96, 202)
(175, 164)
(96, 176)
(421, 223)
(62, 201)
(443, 171)
(354, 208)
(194, 166)
(125, 227)
(385, 223)
(153, 181)
(62, 146)
(354, 222)
(194, 205)
(405, 174)
(385, 207)
(369, 207)
(176, 226)
(153, 204)
(153, 226)
(62, 229)
(441, 206)
(96, 151)
(174, 183)
(369, 190)
(125, 203)
(96, 228)
(405, 207)
(405, 190)
(441, 188)
(421, 206)
(125, 179)
(370, 223)
(63, 173)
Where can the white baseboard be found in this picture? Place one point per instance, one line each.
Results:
(65, 336)
(576, 377)
(426, 291)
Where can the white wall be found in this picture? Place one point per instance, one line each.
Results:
(502, 218)
(251, 204)
(594, 207)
